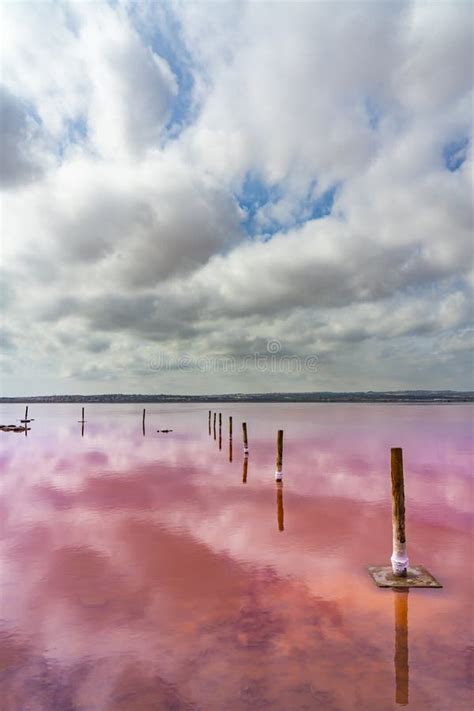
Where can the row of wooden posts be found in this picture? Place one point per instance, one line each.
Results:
(383, 576)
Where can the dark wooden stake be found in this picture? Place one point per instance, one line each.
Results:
(399, 557)
(245, 470)
(26, 420)
(230, 449)
(279, 456)
(215, 415)
(220, 430)
(82, 421)
(246, 441)
(401, 647)
(209, 422)
(230, 427)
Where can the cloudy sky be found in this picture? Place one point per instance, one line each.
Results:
(236, 197)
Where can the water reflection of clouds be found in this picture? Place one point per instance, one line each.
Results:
(140, 569)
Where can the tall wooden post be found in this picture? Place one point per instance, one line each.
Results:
(26, 413)
(230, 427)
(220, 430)
(280, 513)
(399, 557)
(82, 414)
(209, 422)
(230, 449)
(214, 423)
(400, 574)
(143, 421)
(401, 647)
(246, 441)
(279, 456)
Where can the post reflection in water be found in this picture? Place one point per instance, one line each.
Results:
(82, 428)
(230, 449)
(244, 470)
(401, 647)
(280, 511)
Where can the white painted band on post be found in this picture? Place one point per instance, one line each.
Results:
(246, 450)
(399, 560)
(278, 475)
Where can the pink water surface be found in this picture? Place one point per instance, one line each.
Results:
(145, 572)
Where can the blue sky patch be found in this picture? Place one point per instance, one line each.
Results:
(454, 153)
(255, 194)
(322, 206)
(166, 41)
(373, 113)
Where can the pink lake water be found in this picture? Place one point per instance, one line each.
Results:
(149, 572)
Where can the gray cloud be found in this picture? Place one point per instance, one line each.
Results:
(131, 241)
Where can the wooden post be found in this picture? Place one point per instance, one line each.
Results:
(230, 427)
(400, 574)
(246, 441)
(82, 414)
(209, 422)
(399, 557)
(26, 413)
(245, 469)
(401, 647)
(230, 449)
(143, 421)
(220, 430)
(280, 513)
(279, 456)
(215, 425)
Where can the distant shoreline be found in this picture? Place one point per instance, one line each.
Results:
(405, 396)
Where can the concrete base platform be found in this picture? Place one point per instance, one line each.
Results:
(417, 577)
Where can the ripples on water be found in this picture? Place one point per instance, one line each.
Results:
(145, 571)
